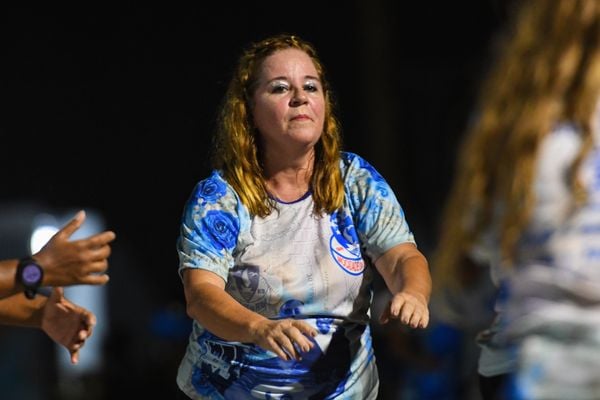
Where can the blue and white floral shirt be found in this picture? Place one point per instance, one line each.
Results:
(558, 235)
(291, 264)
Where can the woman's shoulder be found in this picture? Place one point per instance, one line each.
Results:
(353, 164)
(347, 158)
(214, 189)
(353, 161)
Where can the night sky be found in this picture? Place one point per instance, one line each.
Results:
(112, 108)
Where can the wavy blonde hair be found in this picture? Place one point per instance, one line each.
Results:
(547, 71)
(236, 152)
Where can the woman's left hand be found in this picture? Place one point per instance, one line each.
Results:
(410, 308)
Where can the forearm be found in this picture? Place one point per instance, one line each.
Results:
(221, 314)
(20, 311)
(405, 269)
(8, 285)
(406, 274)
(412, 276)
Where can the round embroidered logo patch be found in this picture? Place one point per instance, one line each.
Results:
(344, 245)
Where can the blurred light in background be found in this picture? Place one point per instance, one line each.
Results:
(40, 236)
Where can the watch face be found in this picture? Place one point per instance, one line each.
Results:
(31, 274)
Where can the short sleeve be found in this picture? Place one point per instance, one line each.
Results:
(378, 217)
(210, 227)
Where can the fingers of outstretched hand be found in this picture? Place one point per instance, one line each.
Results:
(406, 312)
(92, 249)
(286, 344)
(74, 356)
(287, 338)
(97, 268)
(424, 321)
(409, 310)
(101, 239)
(89, 265)
(77, 345)
(68, 262)
(298, 332)
(93, 274)
(95, 253)
(70, 227)
(275, 347)
(305, 328)
(89, 321)
(98, 253)
(82, 335)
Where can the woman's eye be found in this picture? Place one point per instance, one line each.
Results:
(279, 88)
(311, 87)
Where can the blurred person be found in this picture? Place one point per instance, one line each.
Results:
(278, 247)
(526, 194)
(25, 301)
(65, 323)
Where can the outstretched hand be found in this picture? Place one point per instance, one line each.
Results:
(75, 262)
(410, 309)
(287, 338)
(66, 323)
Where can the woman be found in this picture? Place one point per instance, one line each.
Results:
(525, 194)
(277, 246)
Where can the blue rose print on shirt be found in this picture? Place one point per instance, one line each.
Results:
(324, 324)
(221, 228)
(211, 190)
(291, 308)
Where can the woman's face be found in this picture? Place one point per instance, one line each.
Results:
(288, 102)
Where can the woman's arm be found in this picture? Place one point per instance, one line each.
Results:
(406, 273)
(222, 315)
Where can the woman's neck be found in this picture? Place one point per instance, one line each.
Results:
(289, 180)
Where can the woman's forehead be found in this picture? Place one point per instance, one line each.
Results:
(288, 62)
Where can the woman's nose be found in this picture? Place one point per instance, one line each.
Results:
(298, 99)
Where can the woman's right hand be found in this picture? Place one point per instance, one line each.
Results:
(287, 338)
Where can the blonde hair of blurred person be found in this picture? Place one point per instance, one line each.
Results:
(548, 71)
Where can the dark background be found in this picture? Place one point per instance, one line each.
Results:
(112, 109)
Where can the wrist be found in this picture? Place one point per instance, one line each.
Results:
(254, 328)
(29, 276)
